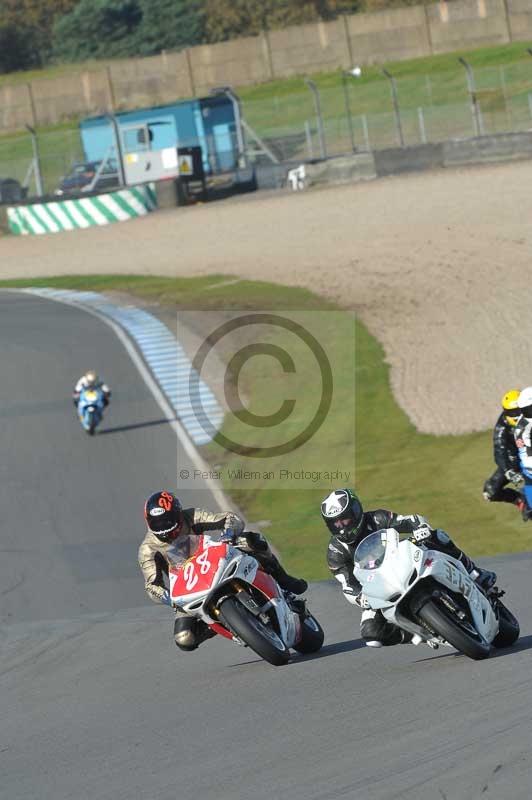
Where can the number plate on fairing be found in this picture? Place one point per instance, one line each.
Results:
(197, 574)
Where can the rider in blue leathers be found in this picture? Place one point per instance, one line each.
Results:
(90, 380)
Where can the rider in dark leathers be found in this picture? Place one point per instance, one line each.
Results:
(505, 455)
(349, 524)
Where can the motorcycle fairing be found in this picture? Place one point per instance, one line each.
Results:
(404, 566)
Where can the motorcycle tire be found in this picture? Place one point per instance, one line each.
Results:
(93, 423)
(253, 632)
(312, 635)
(464, 638)
(508, 627)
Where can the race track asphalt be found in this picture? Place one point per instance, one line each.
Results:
(97, 704)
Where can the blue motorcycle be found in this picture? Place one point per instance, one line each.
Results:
(90, 409)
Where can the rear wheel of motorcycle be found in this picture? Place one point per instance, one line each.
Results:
(311, 635)
(463, 638)
(253, 632)
(508, 627)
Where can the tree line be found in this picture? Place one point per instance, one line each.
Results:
(34, 33)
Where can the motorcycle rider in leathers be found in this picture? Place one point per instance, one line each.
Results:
(173, 536)
(349, 524)
(523, 442)
(506, 456)
(90, 380)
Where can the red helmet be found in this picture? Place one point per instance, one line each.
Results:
(164, 515)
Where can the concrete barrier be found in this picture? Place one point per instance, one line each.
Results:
(344, 169)
(395, 160)
(488, 149)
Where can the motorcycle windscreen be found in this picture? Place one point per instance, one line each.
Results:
(380, 568)
(371, 551)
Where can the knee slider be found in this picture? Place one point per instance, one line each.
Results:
(185, 640)
(488, 491)
(185, 633)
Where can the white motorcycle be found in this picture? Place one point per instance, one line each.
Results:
(431, 595)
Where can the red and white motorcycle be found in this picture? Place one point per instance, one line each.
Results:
(228, 590)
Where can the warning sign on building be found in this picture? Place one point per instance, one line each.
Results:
(185, 165)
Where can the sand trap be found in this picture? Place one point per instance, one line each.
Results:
(436, 264)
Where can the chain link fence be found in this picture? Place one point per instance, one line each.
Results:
(357, 114)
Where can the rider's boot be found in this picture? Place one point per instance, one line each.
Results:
(482, 577)
(287, 582)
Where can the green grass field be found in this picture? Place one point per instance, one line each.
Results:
(394, 466)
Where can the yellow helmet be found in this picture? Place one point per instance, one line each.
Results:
(510, 406)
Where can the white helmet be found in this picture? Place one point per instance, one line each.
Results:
(91, 376)
(525, 402)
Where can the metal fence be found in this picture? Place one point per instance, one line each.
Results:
(368, 112)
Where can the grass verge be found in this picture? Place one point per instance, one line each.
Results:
(394, 465)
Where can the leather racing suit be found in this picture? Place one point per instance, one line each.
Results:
(506, 457)
(155, 557)
(340, 558)
(523, 442)
(83, 384)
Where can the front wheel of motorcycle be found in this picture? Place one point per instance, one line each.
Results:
(256, 634)
(91, 424)
(508, 627)
(460, 634)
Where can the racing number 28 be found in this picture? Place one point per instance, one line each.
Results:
(189, 572)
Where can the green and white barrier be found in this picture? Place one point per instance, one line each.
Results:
(65, 215)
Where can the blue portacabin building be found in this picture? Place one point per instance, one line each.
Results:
(148, 140)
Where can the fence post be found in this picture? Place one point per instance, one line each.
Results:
(427, 28)
(395, 107)
(317, 105)
(507, 20)
(421, 120)
(473, 95)
(267, 48)
(190, 72)
(33, 110)
(348, 111)
(366, 132)
(110, 88)
(36, 160)
(348, 40)
(308, 135)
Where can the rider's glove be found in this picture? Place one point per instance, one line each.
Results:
(361, 600)
(421, 534)
(512, 476)
(228, 536)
